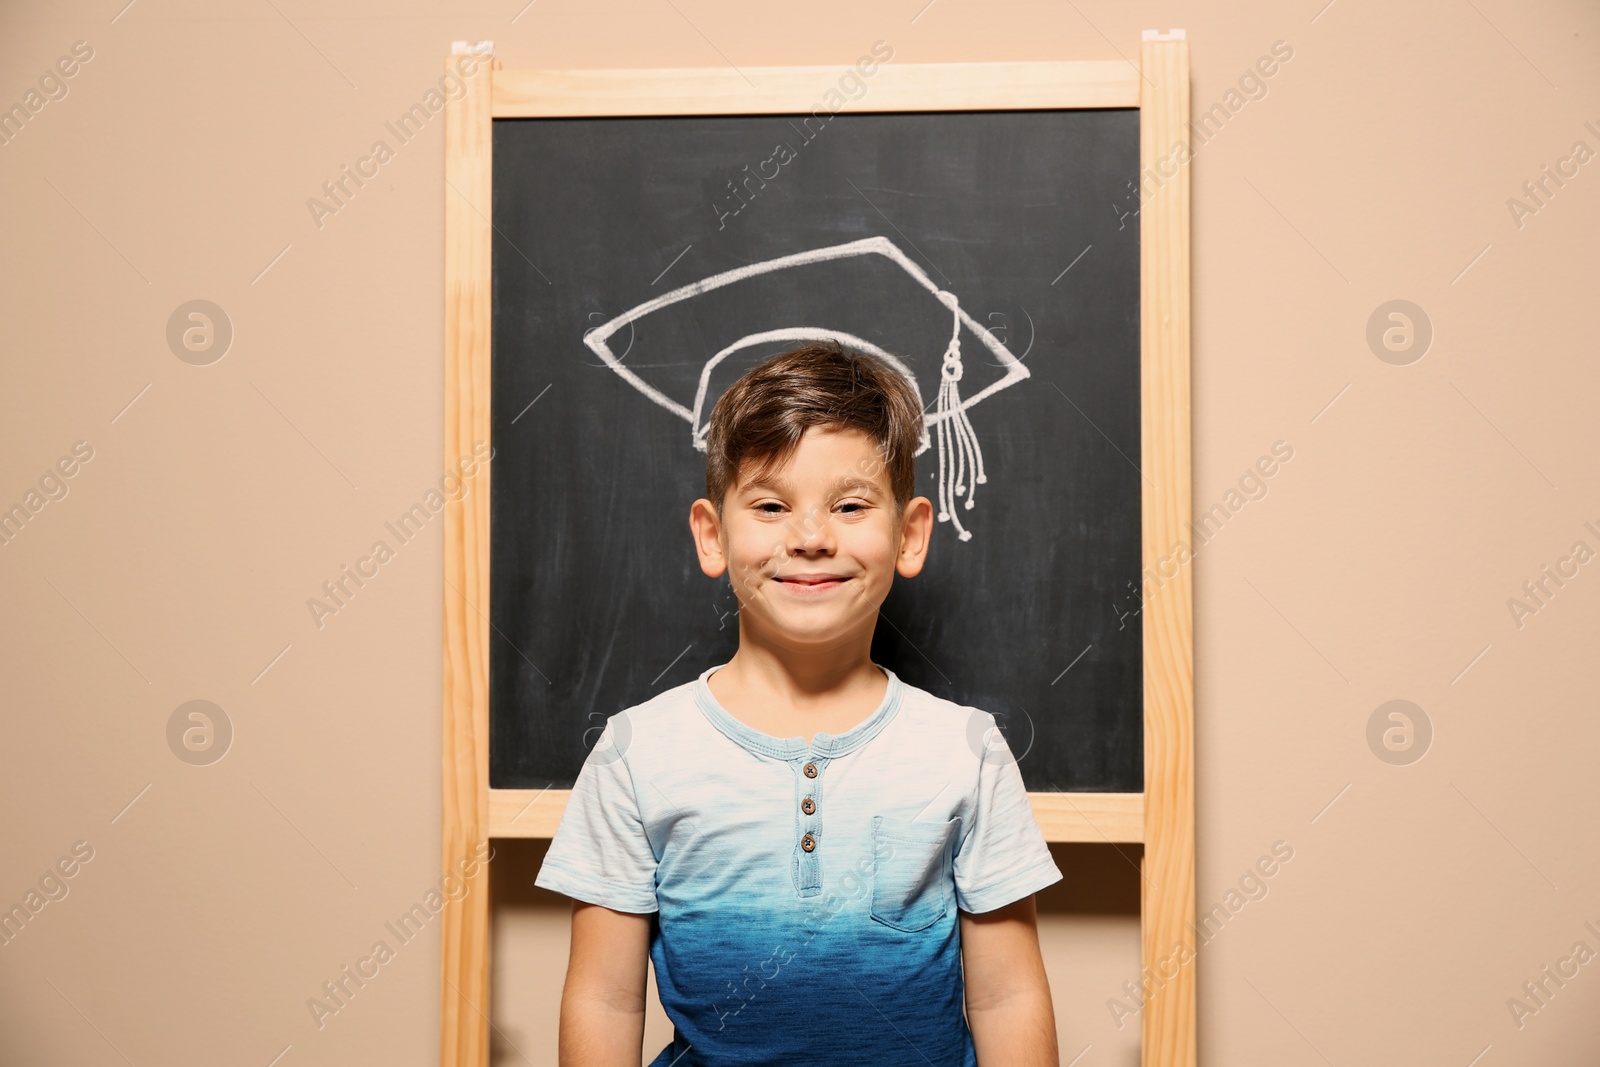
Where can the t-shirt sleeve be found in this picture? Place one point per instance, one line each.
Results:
(600, 853)
(1002, 856)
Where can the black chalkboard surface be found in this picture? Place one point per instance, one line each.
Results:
(641, 264)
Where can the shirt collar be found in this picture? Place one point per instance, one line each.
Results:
(822, 743)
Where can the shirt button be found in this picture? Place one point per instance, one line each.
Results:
(808, 805)
(810, 769)
(808, 843)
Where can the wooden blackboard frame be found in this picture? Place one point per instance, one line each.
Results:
(1162, 816)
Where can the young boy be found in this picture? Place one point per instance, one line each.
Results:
(792, 837)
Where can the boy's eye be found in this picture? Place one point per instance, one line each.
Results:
(769, 507)
(850, 507)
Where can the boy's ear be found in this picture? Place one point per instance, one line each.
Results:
(706, 527)
(916, 527)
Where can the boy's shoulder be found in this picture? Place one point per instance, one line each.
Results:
(666, 709)
(670, 721)
(931, 720)
(937, 709)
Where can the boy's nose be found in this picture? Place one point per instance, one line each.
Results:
(812, 531)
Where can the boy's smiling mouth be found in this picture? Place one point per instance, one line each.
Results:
(811, 583)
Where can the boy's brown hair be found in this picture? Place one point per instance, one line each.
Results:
(762, 416)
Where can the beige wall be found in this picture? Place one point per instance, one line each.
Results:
(219, 898)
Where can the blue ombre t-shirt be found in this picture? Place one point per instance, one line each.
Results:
(807, 896)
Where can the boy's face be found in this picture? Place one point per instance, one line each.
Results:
(812, 548)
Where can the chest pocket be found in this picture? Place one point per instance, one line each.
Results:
(910, 872)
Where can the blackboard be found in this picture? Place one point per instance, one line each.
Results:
(1030, 218)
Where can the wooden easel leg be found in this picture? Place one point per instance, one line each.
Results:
(1167, 939)
(464, 990)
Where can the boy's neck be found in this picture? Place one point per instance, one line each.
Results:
(802, 677)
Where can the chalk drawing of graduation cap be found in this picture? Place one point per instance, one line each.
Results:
(838, 292)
